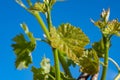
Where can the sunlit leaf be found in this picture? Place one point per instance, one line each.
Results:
(38, 6)
(102, 22)
(108, 28)
(89, 62)
(69, 39)
(23, 49)
(113, 27)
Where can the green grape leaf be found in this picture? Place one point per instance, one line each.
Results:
(42, 73)
(99, 48)
(108, 27)
(89, 62)
(23, 49)
(38, 74)
(69, 39)
(46, 72)
(100, 24)
(38, 6)
(103, 20)
(113, 27)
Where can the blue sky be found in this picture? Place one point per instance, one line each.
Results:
(76, 12)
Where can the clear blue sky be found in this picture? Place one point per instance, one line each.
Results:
(76, 12)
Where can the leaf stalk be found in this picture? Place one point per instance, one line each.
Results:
(56, 62)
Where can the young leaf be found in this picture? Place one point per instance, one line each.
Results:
(108, 28)
(113, 28)
(47, 72)
(23, 49)
(42, 73)
(89, 62)
(37, 74)
(103, 20)
(45, 65)
(38, 6)
(99, 48)
(69, 39)
(100, 24)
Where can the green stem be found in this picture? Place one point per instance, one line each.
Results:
(56, 62)
(106, 46)
(49, 21)
(39, 19)
(105, 67)
(64, 64)
(56, 59)
(37, 16)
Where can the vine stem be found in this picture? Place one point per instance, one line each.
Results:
(55, 51)
(56, 62)
(56, 54)
(49, 21)
(64, 64)
(106, 47)
(39, 19)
